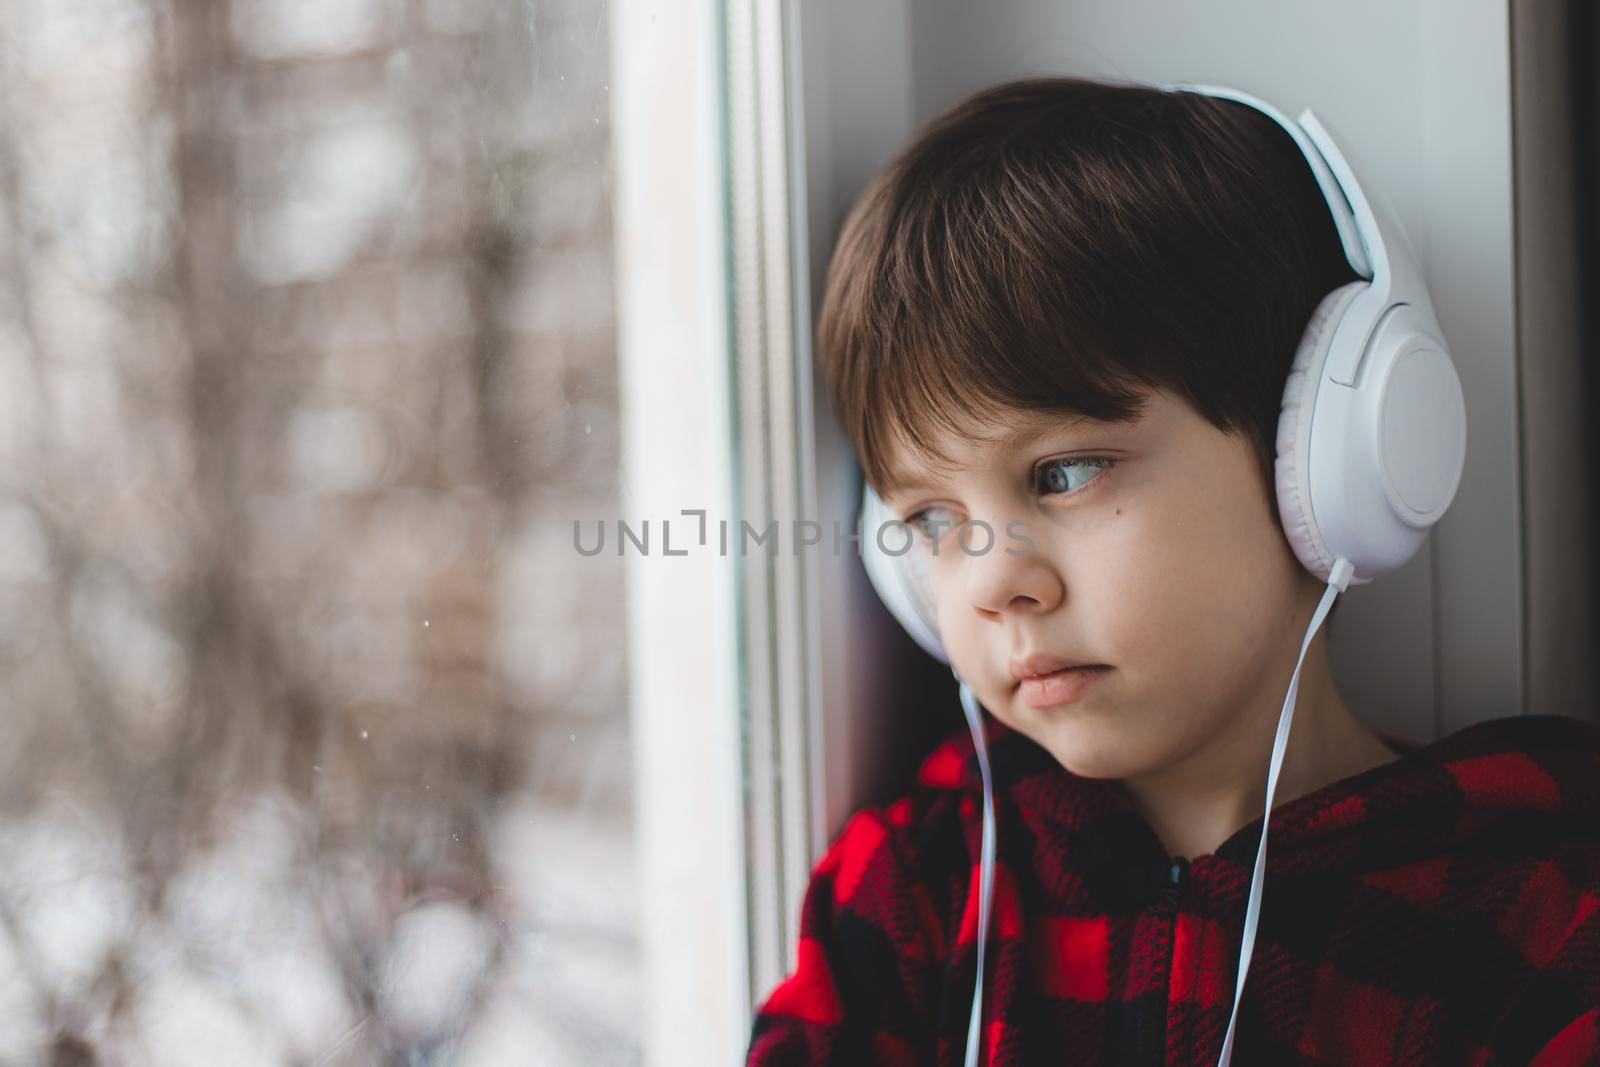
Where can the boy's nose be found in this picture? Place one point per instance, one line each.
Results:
(999, 581)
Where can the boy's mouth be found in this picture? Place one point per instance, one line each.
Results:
(1044, 680)
(1061, 687)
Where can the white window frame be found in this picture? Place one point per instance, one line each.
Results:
(717, 415)
(677, 410)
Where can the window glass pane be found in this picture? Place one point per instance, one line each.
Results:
(307, 362)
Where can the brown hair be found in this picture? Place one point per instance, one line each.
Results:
(1064, 245)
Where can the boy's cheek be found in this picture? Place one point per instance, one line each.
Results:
(1146, 592)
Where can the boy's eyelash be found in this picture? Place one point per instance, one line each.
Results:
(1103, 463)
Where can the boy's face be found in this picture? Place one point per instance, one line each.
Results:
(1168, 566)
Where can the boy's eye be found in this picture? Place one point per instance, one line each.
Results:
(1066, 475)
(1057, 475)
(932, 523)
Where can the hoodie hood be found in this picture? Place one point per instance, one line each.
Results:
(1499, 776)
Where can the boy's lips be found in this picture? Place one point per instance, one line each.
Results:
(1043, 680)
(1040, 664)
(1064, 686)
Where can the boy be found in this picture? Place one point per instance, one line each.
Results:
(1076, 304)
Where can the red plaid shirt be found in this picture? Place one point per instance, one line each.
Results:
(1443, 908)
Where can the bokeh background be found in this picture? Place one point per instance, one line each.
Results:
(307, 363)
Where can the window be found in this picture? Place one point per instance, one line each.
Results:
(318, 738)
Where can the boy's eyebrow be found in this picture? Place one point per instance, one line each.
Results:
(895, 481)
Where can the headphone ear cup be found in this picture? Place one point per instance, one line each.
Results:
(1293, 444)
(900, 580)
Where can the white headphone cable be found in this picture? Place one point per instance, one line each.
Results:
(969, 705)
(1338, 580)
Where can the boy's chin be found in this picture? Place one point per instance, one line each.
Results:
(1096, 746)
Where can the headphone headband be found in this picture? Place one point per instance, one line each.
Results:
(1318, 150)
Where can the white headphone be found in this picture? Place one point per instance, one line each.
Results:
(1370, 447)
